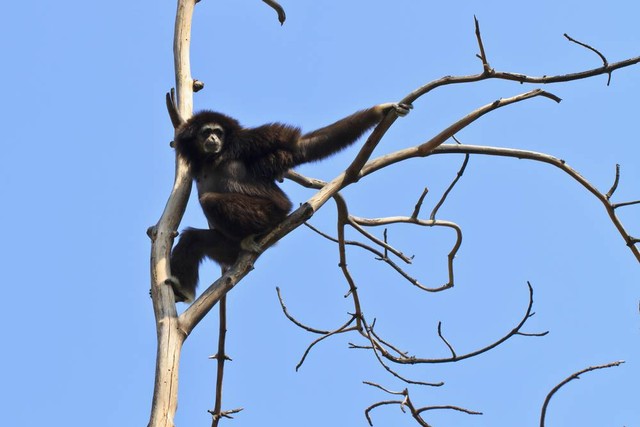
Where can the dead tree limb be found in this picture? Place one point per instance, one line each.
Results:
(570, 378)
(170, 337)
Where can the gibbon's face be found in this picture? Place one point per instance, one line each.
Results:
(210, 138)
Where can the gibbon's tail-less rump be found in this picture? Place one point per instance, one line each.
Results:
(235, 170)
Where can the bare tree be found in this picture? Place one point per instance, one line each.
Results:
(173, 329)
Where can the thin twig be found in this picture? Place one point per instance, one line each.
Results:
(377, 241)
(453, 352)
(406, 402)
(453, 183)
(373, 222)
(380, 256)
(518, 77)
(381, 403)
(376, 347)
(387, 343)
(220, 358)
(294, 320)
(424, 150)
(568, 379)
(619, 205)
(343, 217)
(279, 9)
(344, 328)
(615, 183)
(604, 60)
(412, 360)
(483, 55)
(416, 209)
(400, 393)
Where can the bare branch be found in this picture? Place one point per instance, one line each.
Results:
(170, 336)
(453, 408)
(620, 205)
(343, 217)
(604, 60)
(387, 344)
(225, 414)
(342, 329)
(400, 393)
(374, 222)
(423, 151)
(615, 183)
(279, 9)
(382, 403)
(462, 123)
(453, 352)
(453, 183)
(567, 380)
(220, 358)
(412, 360)
(406, 402)
(380, 352)
(379, 255)
(561, 164)
(378, 242)
(416, 209)
(518, 77)
(294, 320)
(597, 52)
(483, 55)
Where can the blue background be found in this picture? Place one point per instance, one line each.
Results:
(86, 168)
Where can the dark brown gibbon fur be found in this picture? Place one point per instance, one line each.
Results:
(235, 170)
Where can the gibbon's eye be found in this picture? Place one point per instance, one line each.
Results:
(208, 130)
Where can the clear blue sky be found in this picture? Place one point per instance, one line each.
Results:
(86, 168)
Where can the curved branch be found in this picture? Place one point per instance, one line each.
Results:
(592, 49)
(381, 352)
(560, 164)
(567, 380)
(296, 321)
(279, 9)
(517, 77)
(411, 360)
(448, 190)
(423, 151)
(374, 222)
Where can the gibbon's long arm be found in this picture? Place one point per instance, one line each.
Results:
(330, 139)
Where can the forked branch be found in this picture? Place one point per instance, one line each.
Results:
(406, 402)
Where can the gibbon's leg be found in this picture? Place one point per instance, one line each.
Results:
(194, 245)
(238, 215)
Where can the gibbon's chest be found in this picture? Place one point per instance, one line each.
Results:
(221, 178)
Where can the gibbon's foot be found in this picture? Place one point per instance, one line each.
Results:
(181, 294)
(249, 244)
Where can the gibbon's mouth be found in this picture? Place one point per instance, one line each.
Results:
(211, 148)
